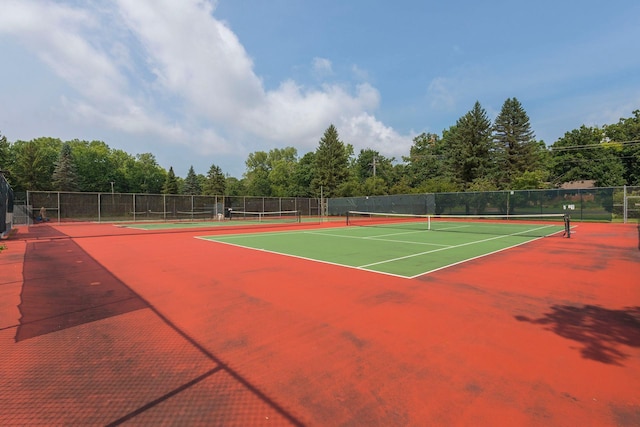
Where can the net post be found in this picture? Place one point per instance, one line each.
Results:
(428, 222)
(347, 218)
(567, 226)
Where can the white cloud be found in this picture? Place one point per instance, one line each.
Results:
(322, 67)
(169, 71)
(299, 117)
(359, 73)
(365, 131)
(440, 93)
(56, 34)
(194, 56)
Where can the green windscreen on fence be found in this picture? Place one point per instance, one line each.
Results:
(416, 204)
(593, 204)
(6, 206)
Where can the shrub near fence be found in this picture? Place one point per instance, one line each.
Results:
(111, 207)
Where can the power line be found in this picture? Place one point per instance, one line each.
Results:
(604, 144)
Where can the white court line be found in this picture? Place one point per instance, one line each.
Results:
(450, 247)
(364, 267)
(378, 238)
(304, 258)
(450, 228)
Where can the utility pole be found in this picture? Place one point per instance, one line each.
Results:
(374, 166)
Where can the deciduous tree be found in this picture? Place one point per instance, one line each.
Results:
(257, 175)
(33, 163)
(626, 133)
(585, 154)
(426, 160)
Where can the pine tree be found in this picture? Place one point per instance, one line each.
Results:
(64, 175)
(331, 167)
(516, 148)
(469, 146)
(171, 183)
(215, 182)
(4, 153)
(191, 183)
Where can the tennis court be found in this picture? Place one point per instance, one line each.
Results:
(110, 325)
(235, 219)
(402, 245)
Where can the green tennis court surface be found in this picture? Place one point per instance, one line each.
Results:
(404, 250)
(240, 219)
(197, 224)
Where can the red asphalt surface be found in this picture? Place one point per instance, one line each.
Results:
(107, 326)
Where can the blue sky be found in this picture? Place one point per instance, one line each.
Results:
(200, 82)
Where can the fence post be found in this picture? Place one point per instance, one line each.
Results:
(27, 210)
(624, 204)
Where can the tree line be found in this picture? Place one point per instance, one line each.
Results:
(475, 154)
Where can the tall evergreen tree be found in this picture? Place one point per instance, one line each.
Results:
(191, 183)
(215, 183)
(331, 167)
(515, 146)
(171, 183)
(64, 175)
(469, 146)
(4, 153)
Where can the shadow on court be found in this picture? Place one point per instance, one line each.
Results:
(600, 331)
(85, 335)
(65, 287)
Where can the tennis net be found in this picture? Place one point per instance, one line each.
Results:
(536, 225)
(265, 217)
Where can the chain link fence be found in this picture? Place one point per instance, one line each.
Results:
(590, 204)
(113, 207)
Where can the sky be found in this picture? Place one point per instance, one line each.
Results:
(204, 82)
